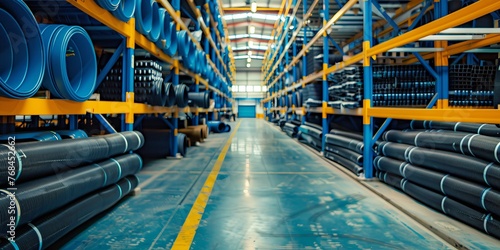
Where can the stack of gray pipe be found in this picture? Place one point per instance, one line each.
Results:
(452, 167)
(345, 148)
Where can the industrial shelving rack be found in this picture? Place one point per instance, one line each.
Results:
(278, 64)
(9, 108)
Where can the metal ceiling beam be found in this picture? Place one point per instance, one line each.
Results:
(247, 23)
(247, 9)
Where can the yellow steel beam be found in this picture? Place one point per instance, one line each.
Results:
(280, 30)
(468, 13)
(455, 115)
(92, 9)
(281, 8)
(35, 106)
(147, 45)
(247, 8)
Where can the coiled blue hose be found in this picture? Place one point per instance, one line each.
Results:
(21, 52)
(125, 10)
(190, 60)
(143, 14)
(184, 48)
(71, 70)
(156, 27)
(109, 5)
(171, 39)
(164, 29)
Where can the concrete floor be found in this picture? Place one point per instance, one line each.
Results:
(270, 193)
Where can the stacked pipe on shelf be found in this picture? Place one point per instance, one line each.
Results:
(346, 88)
(453, 168)
(472, 85)
(291, 128)
(59, 57)
(311, 134)
(346, 149)
(84, 167)
(149, 85)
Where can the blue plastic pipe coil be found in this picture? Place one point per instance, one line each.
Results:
(164, 29)
(216, 126)
(143, 14)
(156, 27)
(71, 70)
(184, 41)
(21, 52)
(171, 48)
(109, 5)
(125, 10)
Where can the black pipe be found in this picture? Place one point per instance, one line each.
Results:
(351, 166)
(351, 144)
(312, 131)
(40, 196)
(201, 99)
(182, 142)
(472, 194)
(469, 168)
(346, 153)
(477, 219)
(33, 160)
(170, 94)
(482, 129)
(46, 230)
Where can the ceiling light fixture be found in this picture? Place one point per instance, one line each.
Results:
(249, 59)
(251, 29)
(250, 43)
(253, 7)
(250, 53)
(248, 65)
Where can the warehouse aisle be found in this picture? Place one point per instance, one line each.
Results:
(270, 193)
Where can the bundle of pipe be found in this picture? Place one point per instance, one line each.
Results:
(22, 71)
(479, 146)
(477, 218)
(194, 134)
(476, 128)
(158, 144)
(313, 94)
(71, 66)
(291, 128)
(46, 230)
(40, 159)
(345, 148)
(201, 99)
(109, 5)
(218, 127)
(40, 196)
(311, 134)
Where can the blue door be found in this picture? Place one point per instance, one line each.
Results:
(246, 111)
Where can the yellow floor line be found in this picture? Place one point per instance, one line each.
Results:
(188, 230)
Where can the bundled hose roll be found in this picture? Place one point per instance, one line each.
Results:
(41, 196)
(46, 230)
(182, 95)
(481, 197)
(201, 99)
(109, 5)
(182, 142)
(23, 54)
(480, 146)
(184, 46)
(346, 153)
(168, 36)
(475, 218)
(39, 159)
(125, 10)
(312, 131)
(227, 128)
(204, 129)
(466, 167)
(482, 129)
(351, 144)
(71, 70)
(143, 14)
(351, 135)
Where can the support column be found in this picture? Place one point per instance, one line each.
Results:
(176, 4)
(304, 57)
(368, 86)
(324, 116)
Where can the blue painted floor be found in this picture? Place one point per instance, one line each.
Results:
(271, 193)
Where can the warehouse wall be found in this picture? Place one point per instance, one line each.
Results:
(248, 102)
(249, 79)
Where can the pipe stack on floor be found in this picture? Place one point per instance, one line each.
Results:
(52, 178)
(455, 171)
(311, 134)
(218, 127)
(346, 149)
(291, 128)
